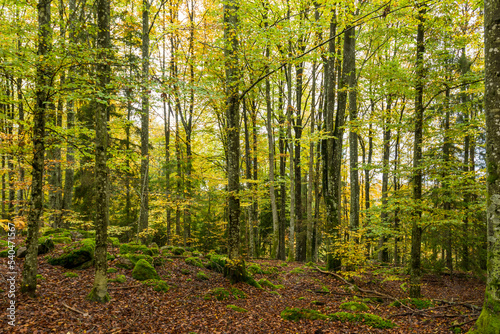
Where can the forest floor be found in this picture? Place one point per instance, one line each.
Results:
(135, 307)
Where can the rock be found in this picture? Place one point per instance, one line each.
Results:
(45, 245)
(76, 256)
(125, 263)
(21, 251)
(75, 235)
(143, 270)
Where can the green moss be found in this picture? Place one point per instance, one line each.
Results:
(177, 250)
(492, 173)
(143, 270)
(136, 257)
(114, 241)
(61, 240)
(265, 283)
(187, 254)
(75, 255)
(87, 234)
(45, 245)
(218, 293)
(185, 271)
(415, 302)
(354, 306)
(296, 314)
(238, 294)
(53, 231)
(254, 268)
(202, 276)
(93, 296)
(324, 288)
(38, 276)
(194, 261)
(368, 319)
(302, 298)
(112, 270)
(133, 248)
(236, 308)
(4, 253)
(217, 263)
(275, 293)
(70, 274)
(158, 285)
(284, 264)
(119, 279)
(297, 270)
(159, 261)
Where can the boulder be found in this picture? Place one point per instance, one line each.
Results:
(21, 251)
(76, 255)
(143, 270)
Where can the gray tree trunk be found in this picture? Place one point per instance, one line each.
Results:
(383, 253)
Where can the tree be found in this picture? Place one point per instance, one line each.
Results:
(43, 75)
(100, 289)
(489, 320)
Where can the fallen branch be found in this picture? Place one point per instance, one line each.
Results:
(75, 310)
(464, 323)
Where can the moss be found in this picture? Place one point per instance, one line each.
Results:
(296, 314)
(119, 279)
(415, 302)
(133, 248)
(324, 288)
(143, 270)
(112, 270)
(236, 308)
(297, 270)
(492, 173)
(87, 234)
(254, 268)
(93, 296)
(158, 285)
(136, 257)
(187, 254)
(45, 245)
(238, 294)
(75, 255)
(159, 261)
(265, 283)
(194, 261)
(217, 263)
(70, 274)
(38, 276)
(201, 276)
(185, 271)
(275, 293)
(218, 293)
(4, 253)
(53, 231)
(368, 319)
(302, 298)
(284, 264)
(114, 241)
(61, 240)
(354, 306)
(177, 250)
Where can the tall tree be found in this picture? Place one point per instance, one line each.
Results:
(43, 75)
(489, 320)
(416, 230)
(100, 288)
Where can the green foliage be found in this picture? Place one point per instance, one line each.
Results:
(368, 319)
(114, 241)
(194, 261)
(354, 306)
(202, 276)
(70, 274)
(236, 308)
(119, 279)
(254, 268)
(265, 283)
(158, 285)
(143, 270)
(296, 314)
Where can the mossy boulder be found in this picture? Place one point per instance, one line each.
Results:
(295, 314)
(119, 279)
(254, 268)
(194, 261)
(143, 270)
(75, 255)
(354, 306)
(202, 276)
(124, 263)
(134, 258)
(61, 240)
(177, 250)
(87, 234)
(56, 231)
(133, 248)
(265, 283)
(218, 293)
(368, 319)
(158, 285)
(45, 245)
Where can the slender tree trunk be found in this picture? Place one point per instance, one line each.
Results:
(282, 149)
(310, 224)
(416, 233)
(383, 253)
(248, 176)
(144, 210)
(490, 316)
(447, 204)
(231, 22)
(42, 97)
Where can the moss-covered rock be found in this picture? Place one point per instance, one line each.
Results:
(124, 263)
(238, 294)
(87, 234)
(56, 231)
(119, 279)
(158, 285)
(254, 268)
(177, 250)
(295, 314)
(61, 240)
(133, 248)
(112, 270)
(218, 293)
(114, 241)
(265, 283)
(194, 261)
(45, 245)
(143, 270)
(354, 306)
(136, 257)
(75, 255)
(70, 274)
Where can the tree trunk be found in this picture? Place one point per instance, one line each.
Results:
(42, 97)
(310, 224)
(282, 149)
(383, 253)
(489, 319)
(233, 134)
(144, 215)
(416, 232)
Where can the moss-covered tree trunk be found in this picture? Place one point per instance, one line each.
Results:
(489, 320)
(100, 289)
(42, 96)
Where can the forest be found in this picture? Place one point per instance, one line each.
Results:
(294, 166)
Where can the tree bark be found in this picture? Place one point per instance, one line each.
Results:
(42, 97)
(383, 253)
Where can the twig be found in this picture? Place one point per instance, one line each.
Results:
(464, 323)
(85, 314)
